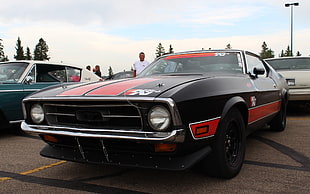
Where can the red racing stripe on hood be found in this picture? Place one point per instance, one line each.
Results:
(78, 91)
(119, 87)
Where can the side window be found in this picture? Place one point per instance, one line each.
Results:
(51, 73)
(73, 74)
(252, 62)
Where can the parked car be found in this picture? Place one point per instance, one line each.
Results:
(184, 109)
(21, 78)
(296, 71)
(122, 75)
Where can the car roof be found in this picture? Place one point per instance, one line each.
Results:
(42, 62)
(209, 50)
(283, 58)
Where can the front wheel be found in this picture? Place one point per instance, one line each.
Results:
(228, 150)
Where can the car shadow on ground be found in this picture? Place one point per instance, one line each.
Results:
(298, 108)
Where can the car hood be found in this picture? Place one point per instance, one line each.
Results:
(147, 87)
(301, 77)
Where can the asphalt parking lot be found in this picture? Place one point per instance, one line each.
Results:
(275, 163)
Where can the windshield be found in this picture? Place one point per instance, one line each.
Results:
(290, 64)
(11, 72)
(196, 63)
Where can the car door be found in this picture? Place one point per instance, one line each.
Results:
(11, 90)
(44, 75)
(262, 82)
(265, 101)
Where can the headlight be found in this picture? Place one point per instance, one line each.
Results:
(159, 118)
(37, 113)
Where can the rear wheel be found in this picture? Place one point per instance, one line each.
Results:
(228, 150)
(279, 122)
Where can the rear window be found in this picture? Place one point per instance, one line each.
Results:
(57, 73)
(290, 64)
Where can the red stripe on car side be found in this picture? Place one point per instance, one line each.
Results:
(118, 88)
(260, 112)
(78, 91)
(210, 124)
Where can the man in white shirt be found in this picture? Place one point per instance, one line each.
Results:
(138, 66)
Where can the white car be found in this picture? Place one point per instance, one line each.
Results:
(296, 71)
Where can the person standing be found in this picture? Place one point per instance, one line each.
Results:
(97, 70)
(138, 66)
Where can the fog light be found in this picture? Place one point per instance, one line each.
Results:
(165, 147)
(49, 138)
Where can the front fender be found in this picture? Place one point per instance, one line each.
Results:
(239, 103)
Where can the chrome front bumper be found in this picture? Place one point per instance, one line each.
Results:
(173, 136)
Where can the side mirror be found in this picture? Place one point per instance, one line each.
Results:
(28, 80)
(258, 71)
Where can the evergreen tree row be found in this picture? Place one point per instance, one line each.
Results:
(160, 50)
(40, 52)
(264, 54)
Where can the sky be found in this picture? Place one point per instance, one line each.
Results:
(112, 33)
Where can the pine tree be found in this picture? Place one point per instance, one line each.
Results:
(110, 71)
(288, 52)
(228, 46)
(160, 50)
(40, 52)
(2, 56)
(19, 50)
(28, 54)
(298, 53)
(266, 52)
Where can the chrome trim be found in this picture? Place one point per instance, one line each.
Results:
(258, 106)
(26, 90)
(173, 136)
(105, 151)
(17, 121)
(80, 148)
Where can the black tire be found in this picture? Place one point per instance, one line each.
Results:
(228, 150)
(279, 122)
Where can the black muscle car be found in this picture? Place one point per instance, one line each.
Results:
(184, 109)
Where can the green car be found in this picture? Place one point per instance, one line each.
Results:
(21, 78)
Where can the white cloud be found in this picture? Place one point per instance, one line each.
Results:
(76, 31)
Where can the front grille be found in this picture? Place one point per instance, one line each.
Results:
(112, 116)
